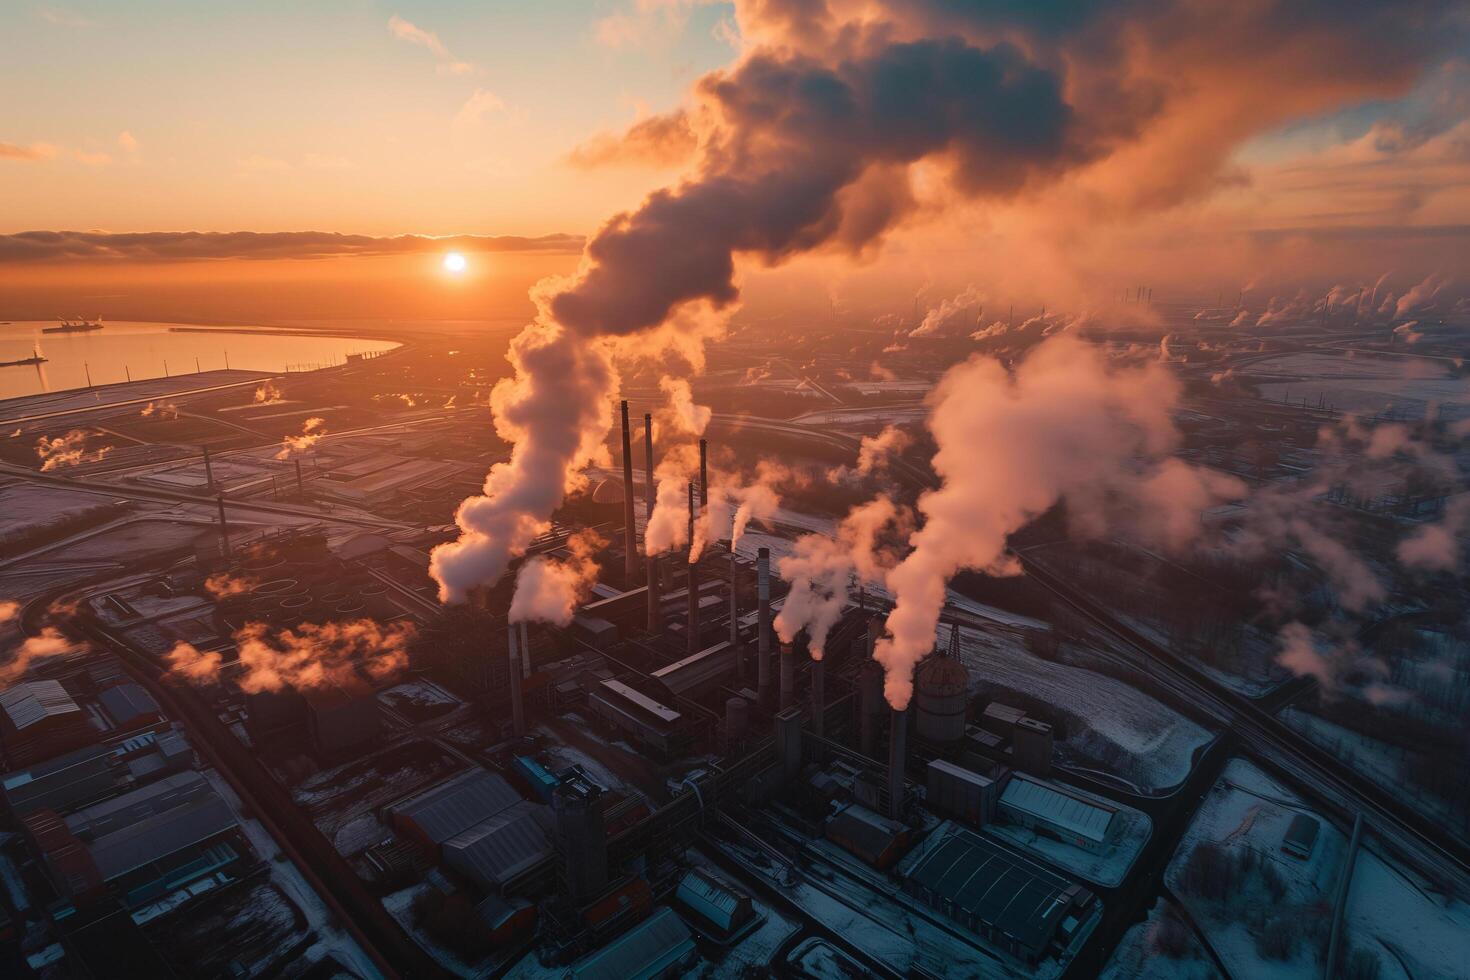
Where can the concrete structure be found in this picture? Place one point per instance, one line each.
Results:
(787, 726)
(1031, 746)
(517, 703)
(646, 720)
(692, 587)
(898, 734)
(1010, 902)
(700, 673)
(630, 529)
(870, 706)
(342, 719)
(788, 676)
(1047, 809)
(737, 717)
(661, 948)
(581, 838)
(962, 794)
(819, 697)
(648, 496)
(876, 839)
(941, 695)
(763, 625)
(1000, 718)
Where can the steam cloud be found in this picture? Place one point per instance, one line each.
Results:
(548, 589)
(67, 450)
(312, 655)
(311, 432)
(809, 140)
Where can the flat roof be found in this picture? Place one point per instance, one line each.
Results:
(457, 804)
(660, 711)
(959, 772)
(648, 950)
(1082, 817)
(29, 702)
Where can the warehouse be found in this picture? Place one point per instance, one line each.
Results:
(699, 673)
(129, 706)
(659, 948)
(645, 720)
(39, 721)
(63, 783)
(720, 909)
(962, 794)
(1014, 904)
(1069, 818)
(871, 836)
(494, 851)
(451, 807)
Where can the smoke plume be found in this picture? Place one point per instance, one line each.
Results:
(549, 589)
(312, 655)
(682, 413)
(68, 450)
(874, 451)
(163, 409)
(50, 642)
(311, 431)
(1064, 426)
(267, 394)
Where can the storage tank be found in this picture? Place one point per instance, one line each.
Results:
(737, 717)
(941, 695)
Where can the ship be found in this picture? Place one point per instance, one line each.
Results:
(79, 325)
(36, 358)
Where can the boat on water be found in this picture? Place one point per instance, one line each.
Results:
(36, 358)
(79, 325)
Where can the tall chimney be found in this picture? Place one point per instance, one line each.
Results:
(517, 710)
(819, 696)
(208, 472)
(870, 706)
(693, 583)
(224, 527)
(630, 538)
(897, 751)
(300, 483)
(788, 676)
(763, 625)
(654, 593)
(525, 652)
(735, 617)
(703, 473)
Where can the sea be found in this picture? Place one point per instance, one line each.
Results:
(133, 351)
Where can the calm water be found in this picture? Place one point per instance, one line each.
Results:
(123, 350)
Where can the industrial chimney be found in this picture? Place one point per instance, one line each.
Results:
(517, 709)
(692, 581)
(819, 696)
(788, 676)
(630, 537)
(703, 473)
(870, 706)
(654, 594)
(763, 625)
(735, 617)
(897, 751)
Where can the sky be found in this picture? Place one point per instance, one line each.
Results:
(504, 119)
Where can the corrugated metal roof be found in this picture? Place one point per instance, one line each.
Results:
(457, 804)
(949, 768)
(696, 670)
(157, 837)
(495, 850)
(1081, 817)
(649, 950)
(710, 898)
(1018, 899)
(180, 789)
(29, 702)
(659, 711)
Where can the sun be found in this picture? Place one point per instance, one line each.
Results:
(454, 262)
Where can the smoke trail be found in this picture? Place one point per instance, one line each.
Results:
(1064, 426)
(548, 589)
(68, 450)
(311, 432)
(312, 655)
(50, 642)
(267, 394)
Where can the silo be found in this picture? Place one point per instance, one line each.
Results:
(737, 717)
(941, 694)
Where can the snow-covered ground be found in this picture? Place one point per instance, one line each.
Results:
(1383, 763)
(1417, 933)
(1403, 387)
(1123, 731)
(1107, 869)
(1141, 953)
(1247, 809)
(400, 905)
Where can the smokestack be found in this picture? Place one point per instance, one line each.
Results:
(763, 625)
(525, 653)
(819, 696)
(630, 540)
(654, 593)
(693, 583)
(897, 751)
(517, 710)
(788, 676)
(870, 706)
(208, 472)
(224, 527)
(703, 473)
(300, 484)
(735, 617)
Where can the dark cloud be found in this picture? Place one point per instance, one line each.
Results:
(658, 141)
(187, 246)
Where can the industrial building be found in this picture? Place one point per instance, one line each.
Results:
(871, 836)
(1301, 836)
(1008, 901)
(642, 719)
(721, 909)
(967, 796)
(1049, 810)
(342, 719)
(452, 806)
(40, 720)
(495, 850)
(660, 948)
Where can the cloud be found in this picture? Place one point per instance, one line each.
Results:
(413, 34)
(50, 642)
(186, 246)
(64, 18)
(549, 589)
(649, 22)
(36, 151)
(67, 450)
(312, 431)
(310, 656)
(127, 141)
(658, 142)
(479, 105)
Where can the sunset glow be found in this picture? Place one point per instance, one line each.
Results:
(454, 262)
